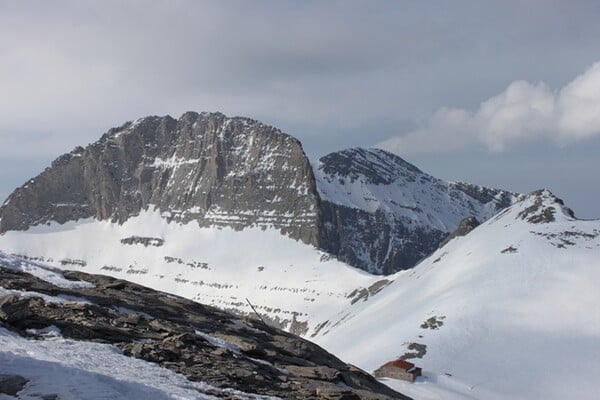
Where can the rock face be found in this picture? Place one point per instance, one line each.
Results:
(383, 214)
(539, 211)
(197, 341)
(203, 167)
(369, 208)
(11, 385)
(465, 226)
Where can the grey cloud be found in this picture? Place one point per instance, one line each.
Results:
(335, 74)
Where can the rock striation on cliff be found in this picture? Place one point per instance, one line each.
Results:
(203, 167)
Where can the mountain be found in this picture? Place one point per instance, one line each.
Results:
(383, 214)
(225, 210)
(74, 335)
(369, 208)
(508, 310)
(214, 170)
(499, 300)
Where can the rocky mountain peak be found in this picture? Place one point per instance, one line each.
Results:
(373, 166)
(384, 214)
(541, 206)
(205, 167)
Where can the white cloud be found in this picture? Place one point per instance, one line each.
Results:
(523, 112)
(579, 106)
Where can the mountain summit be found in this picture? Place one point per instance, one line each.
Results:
(203, 167)
(384, 214)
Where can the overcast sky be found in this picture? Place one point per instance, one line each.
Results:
(499, 93)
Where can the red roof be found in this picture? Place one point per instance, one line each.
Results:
(404, 365)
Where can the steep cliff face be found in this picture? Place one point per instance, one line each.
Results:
(383, 214)
(204, 167)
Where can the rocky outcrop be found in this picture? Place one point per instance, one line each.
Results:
(11, 385)
(377, 242)
(465, 226)
(542, 208)
(204, 167)
(200, 342)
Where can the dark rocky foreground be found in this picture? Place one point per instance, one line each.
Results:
(198, 341)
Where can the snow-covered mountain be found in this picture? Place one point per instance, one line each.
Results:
(383, 214)
(228, 212)
(371, 209)
(509, 310)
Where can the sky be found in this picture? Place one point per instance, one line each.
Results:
(503, 94)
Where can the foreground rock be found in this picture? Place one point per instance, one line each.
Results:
(12, 384)
(200, 342)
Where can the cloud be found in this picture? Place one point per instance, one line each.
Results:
(523, 112)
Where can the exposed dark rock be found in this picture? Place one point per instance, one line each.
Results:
(352, 164)
(465, 226)
(509, 249)
(545, 206)
(567, 238)
(51, 396)
(364, 293)
(144, 241)
(417, 350)
(433, 323)
(376, 242)
(500, 198)
(68, 261)
(12, 384)
(200, 342)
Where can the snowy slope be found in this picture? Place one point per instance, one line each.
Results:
(75, 370)
(292, 284)
(508, 311)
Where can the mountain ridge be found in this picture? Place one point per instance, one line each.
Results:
(238, 172)
(486, 314)
(385, 214)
